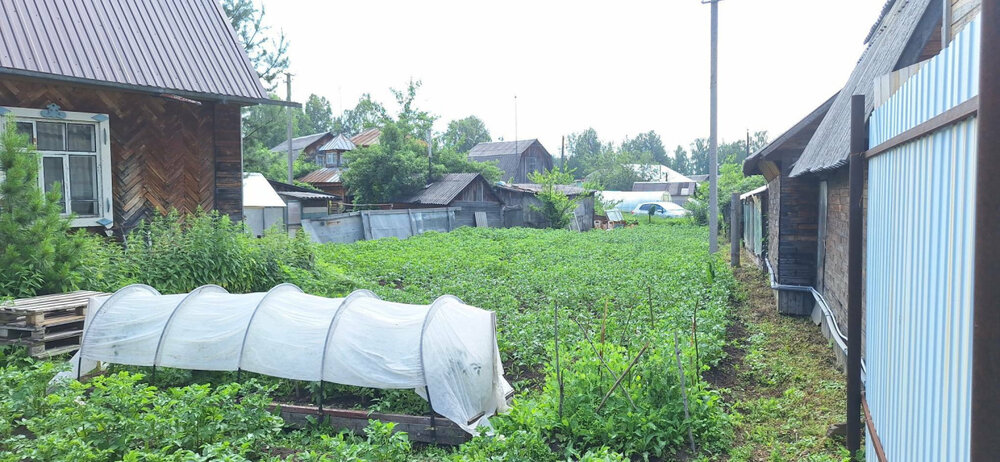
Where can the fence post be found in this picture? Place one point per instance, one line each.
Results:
(735, 226)
(986, 292)
(859, 143)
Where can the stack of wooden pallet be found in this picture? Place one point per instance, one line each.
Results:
(47, 325)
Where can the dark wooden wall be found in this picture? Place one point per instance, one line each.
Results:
(165, 154)
(543, 162)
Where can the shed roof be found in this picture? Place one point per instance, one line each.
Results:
(793, 141)
(323, 175)
(339, 143)
(534, 188)
(896, 34)
(257, 192)
(182, 47)
(498, 148)
(443, 191)
(506, 162)
(699, 178)
(291, 190)
(300, 143)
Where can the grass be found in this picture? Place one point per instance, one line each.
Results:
(785, 389)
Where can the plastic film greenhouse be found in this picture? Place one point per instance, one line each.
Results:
(446, 350)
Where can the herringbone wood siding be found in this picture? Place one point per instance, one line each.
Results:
(164, 154)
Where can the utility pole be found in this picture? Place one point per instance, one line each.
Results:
(515, 126)
(713, 143)
(288, 111)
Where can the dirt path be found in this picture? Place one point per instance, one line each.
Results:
(781, 379)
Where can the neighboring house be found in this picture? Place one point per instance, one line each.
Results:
(303, 203)
(262, 207)
(132, 111)
(330, 155)
(307, 144)
(517, 159)
(470, 191)
(680, 191)
(521, 200)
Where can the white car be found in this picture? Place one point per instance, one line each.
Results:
(661, 209)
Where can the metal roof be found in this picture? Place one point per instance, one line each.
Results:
(443, 191)
(340, 143)
(499, 148)
(675, 188)
(307, 195)
(830, 145)
(323, 175)
(300, 143)
(755, 192)
(182, 47)
(699, 178)
(366, 138)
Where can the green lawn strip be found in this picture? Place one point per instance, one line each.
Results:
(790, 391)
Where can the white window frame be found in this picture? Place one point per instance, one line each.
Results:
(103, 156)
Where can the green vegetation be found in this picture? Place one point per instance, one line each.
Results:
(648, 290)
(37, 252)
(785, 388)
(557, 207)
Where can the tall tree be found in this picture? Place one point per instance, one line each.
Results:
(317, 115)
(585, 150)
(410, 119)
(268, 54)
(681, 163)
(648, 142)
(392, 168)
(463, 134)
(368, 113)
(699, 160)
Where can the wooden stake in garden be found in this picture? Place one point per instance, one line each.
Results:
(619, 381)
(684, 396)
(555, 322)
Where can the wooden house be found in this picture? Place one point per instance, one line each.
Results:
(516, 159)
(329, 153)
(134, 110)
(303, 203)
(306, 144)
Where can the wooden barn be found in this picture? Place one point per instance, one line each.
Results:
(134, 111)
(517, 159)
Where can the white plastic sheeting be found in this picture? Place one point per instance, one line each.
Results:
(447, 349)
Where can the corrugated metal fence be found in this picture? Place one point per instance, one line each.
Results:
(919, 279)
(753, 223)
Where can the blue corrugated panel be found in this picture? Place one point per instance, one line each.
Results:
(919, 274)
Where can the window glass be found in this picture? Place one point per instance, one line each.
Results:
(26, 128)
(645, 207)
(81, 137)
(50, 136)
(83, 184)
(52, 173)
(329, 159)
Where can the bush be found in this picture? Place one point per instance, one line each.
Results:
(38, 255)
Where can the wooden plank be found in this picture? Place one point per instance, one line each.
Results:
(418, 428)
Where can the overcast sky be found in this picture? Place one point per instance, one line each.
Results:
(621, 67)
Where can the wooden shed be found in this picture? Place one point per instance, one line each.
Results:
(520, 199)
(134, 111)
(470, 191)
(517, 159)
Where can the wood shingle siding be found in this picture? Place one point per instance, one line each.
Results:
(164, 154)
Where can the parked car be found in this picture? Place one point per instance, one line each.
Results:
(661, 209)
